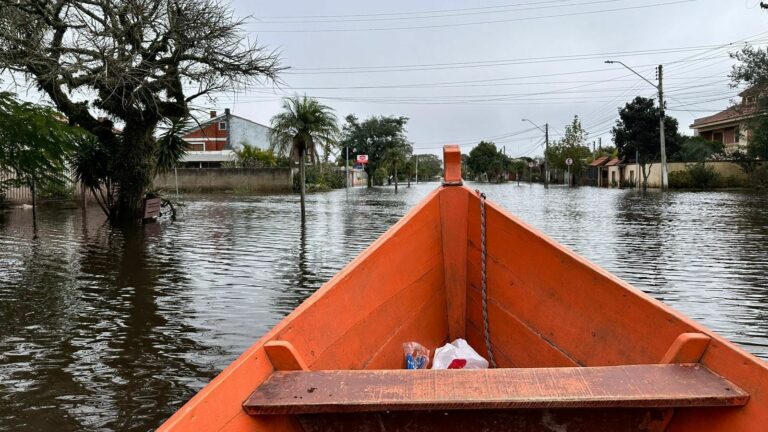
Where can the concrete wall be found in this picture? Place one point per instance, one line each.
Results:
(242, 131)
(228, 179)
(725, 169)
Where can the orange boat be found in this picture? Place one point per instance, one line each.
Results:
(574, 347)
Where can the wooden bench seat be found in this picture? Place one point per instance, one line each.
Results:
(634, 386)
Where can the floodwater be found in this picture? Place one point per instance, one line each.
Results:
(103, 329)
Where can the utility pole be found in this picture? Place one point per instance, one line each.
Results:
(417, 169)
(660, 88)
(346, 167)
(546, 147)
(546, 150)
(664, 175)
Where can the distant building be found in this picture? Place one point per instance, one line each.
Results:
(729, 126)
(214, 141)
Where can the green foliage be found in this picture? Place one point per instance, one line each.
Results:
(696, 176)
(637, 133)
(573, 145)
(138, 61)
(605, 151)
(486, 159)
(637, 129)
(752, 71)
(697, 149)
(60, 190)
(250, 156)
(395, 159)
(379, 176)
(170, 147)
(759, 177)
(303, 124)
(429, 166)
(321, 177)
(374, 137)
(34, 143)
(734, 181)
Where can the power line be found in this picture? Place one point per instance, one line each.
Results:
(425, 15)
(433, 26)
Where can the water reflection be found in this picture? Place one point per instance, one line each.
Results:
(110, 329)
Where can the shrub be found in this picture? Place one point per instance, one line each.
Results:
(704, 177)
(759, 177)
(55, 191)
(680, 180)
(696, 176)
(321, 177)
(734, 181)
(380, 175)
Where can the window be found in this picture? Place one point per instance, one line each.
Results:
(222, 125)
(717, 136)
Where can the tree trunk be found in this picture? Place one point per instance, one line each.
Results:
(302, 182)
(645, 178)
(33, 189)
(368, 171)
(395, 166)
(133, 172)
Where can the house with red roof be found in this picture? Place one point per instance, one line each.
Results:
(213, 141)
(730, 125)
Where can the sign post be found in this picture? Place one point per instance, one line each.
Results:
(569, 162)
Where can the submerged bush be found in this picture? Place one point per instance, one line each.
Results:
(696, 176)
(320, 178)
(759, 177)
(55, 190)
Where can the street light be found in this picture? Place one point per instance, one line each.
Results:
(660, 89)
(546, 148)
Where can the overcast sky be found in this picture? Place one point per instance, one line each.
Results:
(466, 71)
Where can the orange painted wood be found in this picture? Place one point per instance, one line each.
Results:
(687, 348)
(453, 208)
(639, 386)
(548, 307)
(284, 357)
(329, 328)
(514, 344)
(451, 165)
(531, 420)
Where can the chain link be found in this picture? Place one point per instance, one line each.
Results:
(483, 281)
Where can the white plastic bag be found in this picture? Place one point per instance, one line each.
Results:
(458, 355)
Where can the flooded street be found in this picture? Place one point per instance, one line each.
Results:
(103, 329)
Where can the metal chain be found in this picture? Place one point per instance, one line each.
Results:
(483, 282)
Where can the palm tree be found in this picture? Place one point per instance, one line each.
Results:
(304, 124)
(396, 156)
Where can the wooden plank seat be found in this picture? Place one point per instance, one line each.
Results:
(634, 386)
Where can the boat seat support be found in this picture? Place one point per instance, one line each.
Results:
(284, 356)
(687, 348)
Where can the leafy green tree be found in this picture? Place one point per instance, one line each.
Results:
(482, 158)
(34, 144)
(752, 71)
(138, 62)
(697, 149)
(637, 130)
(373, 137)
(396, 156)
(429, 166)
(304, 124)
(573, 145)
(94, 160)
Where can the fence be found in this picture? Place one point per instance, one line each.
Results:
(23, 194)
